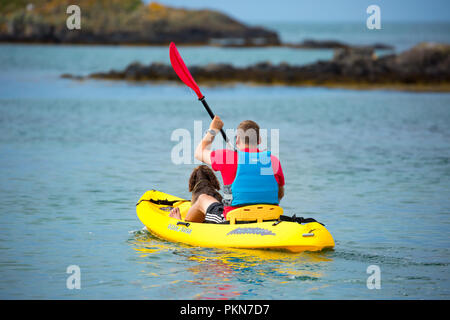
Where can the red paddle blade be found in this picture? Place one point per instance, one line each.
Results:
(182, 71)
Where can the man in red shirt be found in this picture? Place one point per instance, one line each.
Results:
(227, 162)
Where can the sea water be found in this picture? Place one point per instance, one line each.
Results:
(75, 156)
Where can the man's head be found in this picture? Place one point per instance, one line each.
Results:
(247, 135)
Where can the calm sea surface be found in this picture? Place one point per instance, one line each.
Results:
(75, 157)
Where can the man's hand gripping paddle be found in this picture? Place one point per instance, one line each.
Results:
(183, 73)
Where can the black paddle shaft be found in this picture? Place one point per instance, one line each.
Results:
(211, 114)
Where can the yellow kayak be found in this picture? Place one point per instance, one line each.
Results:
(250, 227)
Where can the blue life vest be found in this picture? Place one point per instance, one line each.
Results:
(254, 183)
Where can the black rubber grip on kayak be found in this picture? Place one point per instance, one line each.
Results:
(183, 223)
(162, 202)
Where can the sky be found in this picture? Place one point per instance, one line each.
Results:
(322, 10)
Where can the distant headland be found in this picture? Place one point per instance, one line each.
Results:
(129, 22)
(132, 22)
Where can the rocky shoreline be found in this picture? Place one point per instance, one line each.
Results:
(332, 44)
(426, 67)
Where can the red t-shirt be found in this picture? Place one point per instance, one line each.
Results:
(226, 161)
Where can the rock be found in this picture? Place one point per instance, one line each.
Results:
(332, 44)
(430, 59)
(324, 44)
(351, 55)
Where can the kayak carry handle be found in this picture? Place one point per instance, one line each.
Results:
(183, 223)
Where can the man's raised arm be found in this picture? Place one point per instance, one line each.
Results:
(203, 150)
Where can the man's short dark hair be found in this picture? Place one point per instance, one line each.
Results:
(248, 132)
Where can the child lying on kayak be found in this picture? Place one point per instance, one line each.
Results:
(206, 200)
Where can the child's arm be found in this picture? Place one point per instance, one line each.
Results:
(280, 192)
(194, 214)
